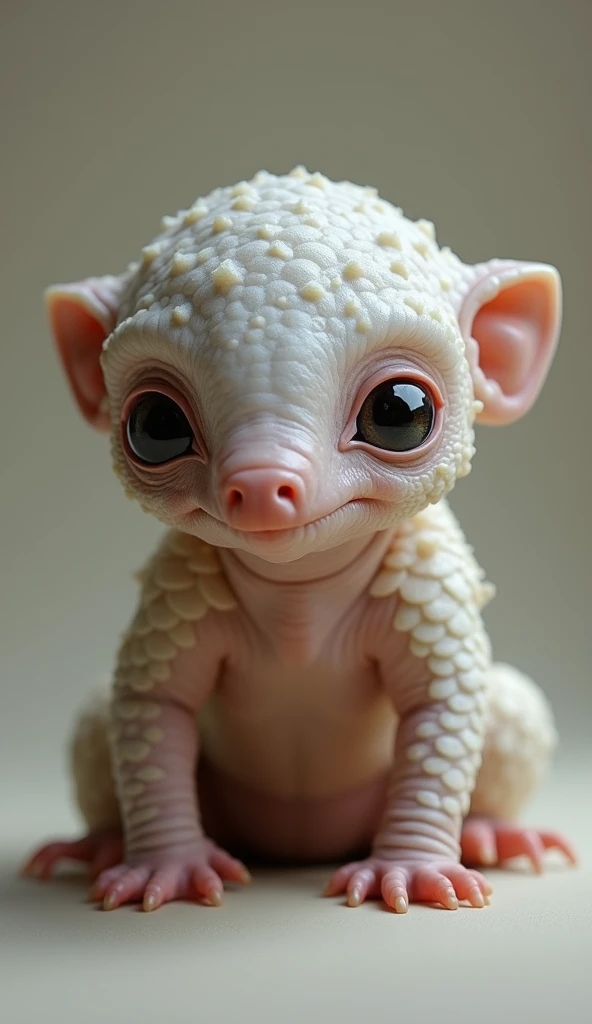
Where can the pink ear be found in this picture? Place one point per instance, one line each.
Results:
(82, 315)
(510, 321)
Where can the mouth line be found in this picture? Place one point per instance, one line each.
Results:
(287, 532)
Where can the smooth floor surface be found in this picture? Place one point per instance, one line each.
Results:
(278, 952)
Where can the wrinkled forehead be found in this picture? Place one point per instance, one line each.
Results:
(282, 283)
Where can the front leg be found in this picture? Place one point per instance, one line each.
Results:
(438, 689)
(166, 856)
(416, 851)
(168, 666)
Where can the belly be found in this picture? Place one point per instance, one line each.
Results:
(303, 749)
(255, 825)
(294, 760)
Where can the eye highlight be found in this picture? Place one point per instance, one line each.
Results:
(397, 416)
(158, 429)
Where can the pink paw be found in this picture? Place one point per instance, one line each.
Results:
(196, 871)
(485, 841)
(98, 849)
(402, 882)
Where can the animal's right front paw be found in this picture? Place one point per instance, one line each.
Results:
(196, 871)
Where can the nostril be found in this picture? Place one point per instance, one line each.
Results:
(263, 498)
(235, 498)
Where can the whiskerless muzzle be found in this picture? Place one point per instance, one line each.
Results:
(270, 498)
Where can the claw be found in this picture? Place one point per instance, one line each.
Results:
(102, 847)
(490, 842)
(399, 881)
(215, 897)
(355, 896)
(162, 877)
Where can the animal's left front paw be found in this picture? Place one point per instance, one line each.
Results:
(400, 882)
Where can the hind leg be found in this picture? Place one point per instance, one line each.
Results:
(101, 847)
(519, 742)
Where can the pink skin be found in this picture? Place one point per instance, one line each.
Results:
(308, 673)
(100, 850)
(259, 644)
(199, 873)
(444, 882)
(517, 334)
(484, 843)
(247, 645)
(263, 499)
(487, 842)
(183, 862)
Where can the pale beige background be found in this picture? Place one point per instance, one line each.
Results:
(474, 114)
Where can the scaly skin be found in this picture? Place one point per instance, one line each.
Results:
(315, 608)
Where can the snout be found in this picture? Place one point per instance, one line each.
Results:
(270, 498)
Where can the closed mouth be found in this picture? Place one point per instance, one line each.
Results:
(288, 534)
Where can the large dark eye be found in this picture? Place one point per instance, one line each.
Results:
(157, 429)
(398, 415)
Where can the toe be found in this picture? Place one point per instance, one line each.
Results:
(434, 887)
(162, 887)
(534, 849)
(394, 890)
(484, 884)
(359, 886)
(42, 863)
(338, 882)
(555, 841)
(490, 842)
(104, 880)
(230, 868)
(517, 842)
(478, 843)
(469, 885)
(128, 888)
(208, 884)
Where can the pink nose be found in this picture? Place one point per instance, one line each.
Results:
(263, 499)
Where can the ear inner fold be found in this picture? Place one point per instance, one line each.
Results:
(82, 315)
(511, 337)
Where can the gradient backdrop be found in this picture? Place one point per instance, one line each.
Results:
(473, 114)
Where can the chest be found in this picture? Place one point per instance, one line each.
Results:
(298, 652)
(299, 704)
